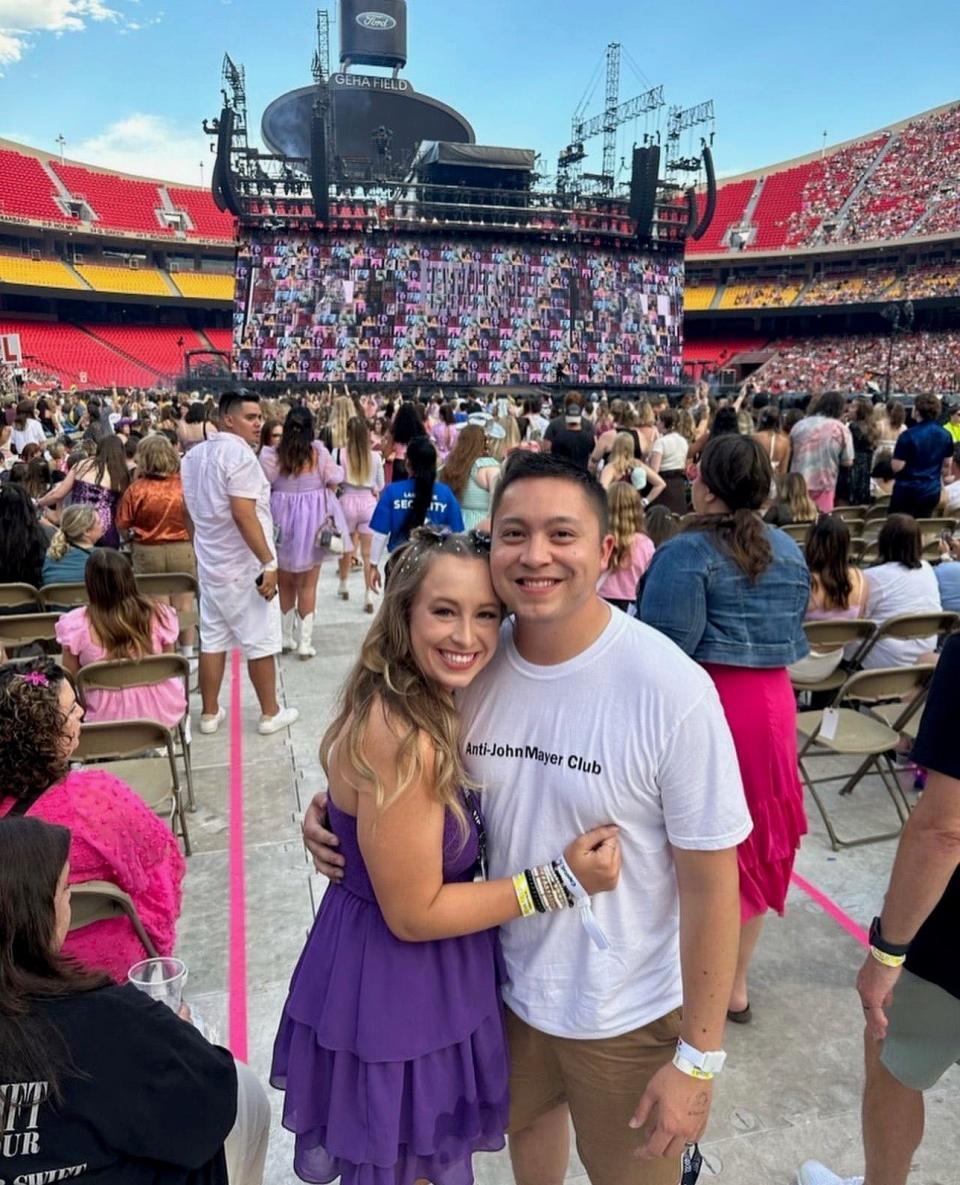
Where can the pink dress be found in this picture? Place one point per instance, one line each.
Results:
(621, 585)
(165, 703)
(762, 713)
(115, 837)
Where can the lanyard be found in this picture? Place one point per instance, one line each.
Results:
(473, 807)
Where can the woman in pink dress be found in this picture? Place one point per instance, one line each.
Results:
(115, 836)
(120, 622)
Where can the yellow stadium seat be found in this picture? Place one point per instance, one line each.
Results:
(699, 296)
(44, 273)
(203, 285)
(147, 281)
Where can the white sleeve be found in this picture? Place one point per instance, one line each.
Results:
(377, 547)
(245, 479)
(704, 807)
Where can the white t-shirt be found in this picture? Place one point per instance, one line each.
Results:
(31, 433)
(673, 448)
(893, 589)
(952, 492)
(213, 472)
(630, 732)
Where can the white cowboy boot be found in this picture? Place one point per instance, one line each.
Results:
(289, 631)
(306, 649)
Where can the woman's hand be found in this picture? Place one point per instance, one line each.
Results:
(594, 859)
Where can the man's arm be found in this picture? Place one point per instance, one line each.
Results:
(244, 512)
(927, 857)
(709, 886)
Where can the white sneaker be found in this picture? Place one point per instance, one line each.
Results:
(210, 724)
(815, 1173)
(284, 718)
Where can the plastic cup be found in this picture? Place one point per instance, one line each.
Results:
(161, 979)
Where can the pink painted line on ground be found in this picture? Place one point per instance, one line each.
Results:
(237, 948)
(843, 920)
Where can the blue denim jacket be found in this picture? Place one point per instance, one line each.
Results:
(700, 599)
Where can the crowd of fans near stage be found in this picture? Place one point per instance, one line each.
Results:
(713, 529)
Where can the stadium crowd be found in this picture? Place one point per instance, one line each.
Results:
(524, 541)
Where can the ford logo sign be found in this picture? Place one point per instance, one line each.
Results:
(380, 21)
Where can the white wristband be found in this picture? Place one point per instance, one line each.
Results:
(582, 901)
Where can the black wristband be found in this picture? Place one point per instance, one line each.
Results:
(538, 904)
(886, 948)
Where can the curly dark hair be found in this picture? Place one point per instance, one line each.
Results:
(31, 723)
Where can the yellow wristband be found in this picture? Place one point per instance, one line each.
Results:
(888, 960)
(524, 898)
(685, 1066)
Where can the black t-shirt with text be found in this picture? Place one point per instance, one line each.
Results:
(935, 953)
(148, 1102)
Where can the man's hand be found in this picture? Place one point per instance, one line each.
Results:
(267, 588)
(376, 579)
(875, 983)
(321, 843)
(679, 1106)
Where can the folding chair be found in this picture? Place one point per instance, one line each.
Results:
(834, 634)
(870, 554)
(61, 597)
(28, 629)
(797, 531)
(912, 626)
(19, 596)
(170, 584)
(860, 734)
(98, 901)
(933, 528)
(123, 674)
(124, 748)
(850, 514)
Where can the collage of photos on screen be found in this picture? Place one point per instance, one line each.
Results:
(314, 310)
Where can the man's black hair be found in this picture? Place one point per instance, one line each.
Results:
(524, 466)
(231, 400)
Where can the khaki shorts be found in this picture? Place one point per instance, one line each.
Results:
(601, 1081)
(923, 1040)
(152, 558)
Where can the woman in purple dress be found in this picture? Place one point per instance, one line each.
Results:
(392, 1049)
(306, 517)
(98, 482)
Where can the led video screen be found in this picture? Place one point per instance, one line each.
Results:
(404, 309)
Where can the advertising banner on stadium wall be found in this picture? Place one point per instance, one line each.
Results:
(10, 352)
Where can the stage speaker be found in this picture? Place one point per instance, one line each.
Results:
(224, 189)
(643, 188)
(710, 208)
(373, 34)
(319, 183)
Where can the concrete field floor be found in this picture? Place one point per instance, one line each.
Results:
(792, 1087)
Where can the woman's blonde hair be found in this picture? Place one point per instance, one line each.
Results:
(156, 457)
(793, 491)
(359, 467)
(622, 457)
(74, 524)
(626, 521)
(645, 414)
(387, 674)
(686, 426)
(342, 413)
(512, 439)
(471, 445)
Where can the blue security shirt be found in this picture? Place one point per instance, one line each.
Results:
(924, 448)
(396, 501)
(948, 577)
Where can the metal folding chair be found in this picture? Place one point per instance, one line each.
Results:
(170, 584)
(125, 748)
(98, 901)
(850, 514)
(860, 734)
(58, 598)
(836, 634)
(28, 629)
(15, 597)
(797, 531)
(121, 674)
(912, 626)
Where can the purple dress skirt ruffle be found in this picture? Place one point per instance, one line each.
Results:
(392, 1054)
(762, 713)
(298, 514)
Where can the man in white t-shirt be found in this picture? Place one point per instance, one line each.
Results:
(587, 717)
(227, 498)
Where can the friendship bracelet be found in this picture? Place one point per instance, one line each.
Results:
(524, 899)
(538, 901)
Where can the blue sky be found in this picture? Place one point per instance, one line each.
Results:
(126, 82)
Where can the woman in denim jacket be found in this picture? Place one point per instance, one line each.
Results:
(732, 592)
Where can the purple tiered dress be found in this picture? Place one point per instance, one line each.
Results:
(392, 1054)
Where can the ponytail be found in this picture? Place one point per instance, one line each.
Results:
(741, 536)
(74, 524)
(422, 463)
